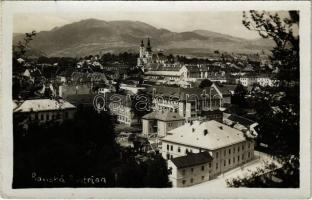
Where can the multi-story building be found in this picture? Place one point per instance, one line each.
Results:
(161, 122)
(261, 79)
(190, 169)
(121, 106)
(44, 110)
(188, 102)
(228, 147)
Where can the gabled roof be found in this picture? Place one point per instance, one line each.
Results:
(192, 159)
(183, 93)
(241, 120)
(36, 105)
(163, 116)
(217, 135)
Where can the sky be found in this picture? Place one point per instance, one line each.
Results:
(222, 22)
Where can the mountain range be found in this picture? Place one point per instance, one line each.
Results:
(93, 36)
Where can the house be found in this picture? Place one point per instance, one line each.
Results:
(216, 115)
(226, 92)
(45, 110)
(241, 123)
(161, 122)
(261, 79)
(190, 169)
(188, 102)
(228, 147)
(120, 105)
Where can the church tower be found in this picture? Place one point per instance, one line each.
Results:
(148, 48)
(142, 49)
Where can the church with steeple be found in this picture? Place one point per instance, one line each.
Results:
(145, 55)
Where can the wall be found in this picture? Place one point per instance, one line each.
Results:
(190, 175)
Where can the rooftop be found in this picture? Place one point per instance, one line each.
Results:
(206, 135)
(192, 159)
(163, 116)
(37, 105)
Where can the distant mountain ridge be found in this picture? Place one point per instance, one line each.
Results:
(93, 36)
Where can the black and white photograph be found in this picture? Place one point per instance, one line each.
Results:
(158, 97)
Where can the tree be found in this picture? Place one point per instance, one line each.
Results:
(205, 83)
(285, 56)
(20, 49)
(239, 96)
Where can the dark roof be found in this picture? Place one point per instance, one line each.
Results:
(192, 159)
(163, 116)
(212, 112)
(77, 99)
(242, 120)
(181, 93)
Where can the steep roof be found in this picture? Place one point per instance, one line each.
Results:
(181, 93)
(163, 116)
(218, 135)
(36, 105)
(242, 120)
(192, 159)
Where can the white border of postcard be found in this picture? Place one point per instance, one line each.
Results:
(9, 9)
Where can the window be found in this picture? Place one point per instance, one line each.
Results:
(171, 147)
(233, 159)
(234, 150)
(171, 156)
(248, 145)
(168, 156)
(179, 150)
(229, 151)
(216, 154)
(224, 152)
(168, 147)
(191, 180)
(229, 161)
(192, 169)
(237, 158)
(41, 116)
(183, 182)
(183, 172)
(216, 165)
(248, 154)
(203, 168)
(209, 165)
(203, 177)
(237, 149)
(224, 163)
(186, 151)
(243, 146)
(243, 157)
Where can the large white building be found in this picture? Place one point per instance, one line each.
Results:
(228, 147)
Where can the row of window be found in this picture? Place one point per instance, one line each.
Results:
(192, 180)
(230, 150)
(170, 147)
(50, 116)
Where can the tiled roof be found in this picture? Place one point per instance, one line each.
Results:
(218, 135)
(241, 120)
(37, 105)
(181, 93)
(192, 159)
(163, 116)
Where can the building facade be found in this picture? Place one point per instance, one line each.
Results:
(228, 147)
(160, 122)
(44, 110)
